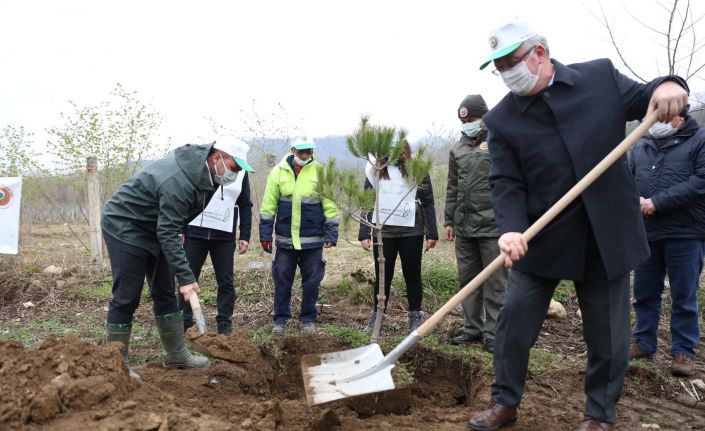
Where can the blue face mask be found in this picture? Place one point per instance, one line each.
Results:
(228, 176)
(472, 129)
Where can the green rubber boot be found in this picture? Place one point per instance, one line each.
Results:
(121, 332)
(171, 332)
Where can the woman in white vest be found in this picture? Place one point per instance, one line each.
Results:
(403, 234)
(213, 231)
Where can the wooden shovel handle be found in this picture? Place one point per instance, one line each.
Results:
(544, 220)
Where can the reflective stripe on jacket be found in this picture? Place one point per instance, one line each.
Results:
(293, 210)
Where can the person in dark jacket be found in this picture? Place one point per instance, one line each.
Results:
(213, 232)
(141, 225)
(469, 221)
(669, 169)
(405, 241)
(555, 125)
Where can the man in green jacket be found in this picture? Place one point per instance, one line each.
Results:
(141, 225)
(469, 220)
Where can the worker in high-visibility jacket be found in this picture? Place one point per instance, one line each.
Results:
(304, 224)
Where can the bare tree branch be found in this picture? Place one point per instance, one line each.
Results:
(607, 26)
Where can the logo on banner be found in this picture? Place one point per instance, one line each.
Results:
(5, 196)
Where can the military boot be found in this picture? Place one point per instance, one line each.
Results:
(171, 332)
(225, 328)
(415, 320)
(120, 332)
(371, 326)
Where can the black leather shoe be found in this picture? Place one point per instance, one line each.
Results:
(489, 345)
(465, 338)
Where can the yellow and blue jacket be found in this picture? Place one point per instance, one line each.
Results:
(292, 208)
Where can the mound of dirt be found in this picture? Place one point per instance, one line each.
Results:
(60, 375)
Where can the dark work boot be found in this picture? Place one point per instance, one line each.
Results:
(175, 355)
(120, 332)
(415, 320)
(371, 326)
(225, 328)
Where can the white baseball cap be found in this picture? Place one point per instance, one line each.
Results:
(505, 39)
(236, 148)
(303, 143)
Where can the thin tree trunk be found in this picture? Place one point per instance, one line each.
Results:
(381, 297)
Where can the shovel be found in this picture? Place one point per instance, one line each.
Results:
(197, 312)
(332, 376)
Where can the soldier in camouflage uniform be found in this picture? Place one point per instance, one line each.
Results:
(469, 220)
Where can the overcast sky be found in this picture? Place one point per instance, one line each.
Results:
(407, 63)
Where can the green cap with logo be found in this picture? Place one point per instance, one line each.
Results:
(505, 39)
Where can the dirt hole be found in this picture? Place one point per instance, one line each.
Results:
(70, 384)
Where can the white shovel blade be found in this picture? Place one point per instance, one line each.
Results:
(332, 376)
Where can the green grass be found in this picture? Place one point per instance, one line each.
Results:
(350, 335)
(263, 337)
(101, 289)
(403, 375)
(564, 291)
(145, 345)
(439, 279)
(32, 332)
(542, 361)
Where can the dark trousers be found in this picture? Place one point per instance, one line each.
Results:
(222, 255)
(682, 260)
(409, 249)
(312, 269)
(130, 265)
(605, 310)
(473, 255)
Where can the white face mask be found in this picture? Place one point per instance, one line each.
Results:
(472, 129)
(662, 130)
(228, 176)
(301, 162)
(519, 78)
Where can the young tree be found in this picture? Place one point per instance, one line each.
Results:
(118, 131)
(376, 145)
(16, 159)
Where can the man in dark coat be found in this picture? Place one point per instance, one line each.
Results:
(557, 123)
(669, 168)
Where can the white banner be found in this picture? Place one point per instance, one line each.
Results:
(10, 196)
(220, 210)
(394, 193)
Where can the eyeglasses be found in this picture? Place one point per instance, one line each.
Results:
(501, 69)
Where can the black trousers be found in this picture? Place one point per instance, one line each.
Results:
(606, 328)
(409, 249)
(222, 255)
(130, 265)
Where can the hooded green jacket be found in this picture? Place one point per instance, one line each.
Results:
(151, 208)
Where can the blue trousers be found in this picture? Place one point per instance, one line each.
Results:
(682, 260)
(312, 268)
